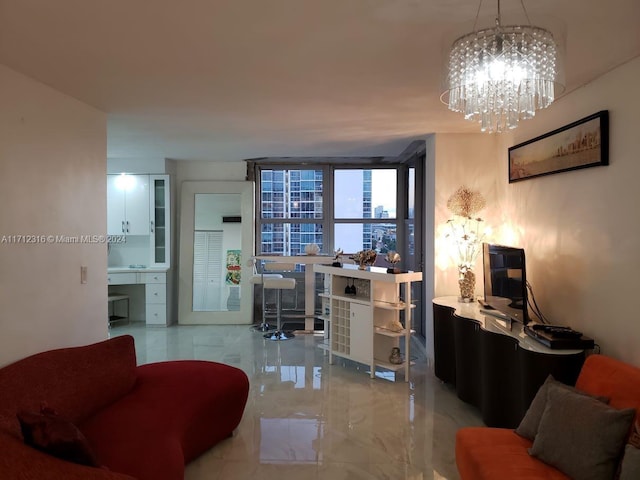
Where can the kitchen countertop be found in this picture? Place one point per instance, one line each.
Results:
(136, 269)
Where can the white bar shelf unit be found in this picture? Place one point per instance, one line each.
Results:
(365, 325)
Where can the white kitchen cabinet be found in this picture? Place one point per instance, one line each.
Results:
(128, 204)
(160, 226)
(361, 331)
(155, 292)
(155, 298)
(365, 315)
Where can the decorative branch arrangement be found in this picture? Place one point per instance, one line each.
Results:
(467, 233)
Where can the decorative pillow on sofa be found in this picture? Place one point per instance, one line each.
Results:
(634, 439)
(528, 427)
(580, 435)
(51, 434)
(630, 465)
(630, 469)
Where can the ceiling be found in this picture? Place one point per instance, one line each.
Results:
(236, 79)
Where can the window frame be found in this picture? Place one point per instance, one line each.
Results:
(260, 221)
(328, 220)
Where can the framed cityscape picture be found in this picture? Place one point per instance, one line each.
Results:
(580, 144)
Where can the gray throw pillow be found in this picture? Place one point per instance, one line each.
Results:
(528, 427)
(630, 464)
(581, 436)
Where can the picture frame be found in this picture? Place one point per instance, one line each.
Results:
(581, 144)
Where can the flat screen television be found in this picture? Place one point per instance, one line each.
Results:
(505, 281)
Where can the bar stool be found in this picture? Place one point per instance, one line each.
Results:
(258, 279)
(279, 284)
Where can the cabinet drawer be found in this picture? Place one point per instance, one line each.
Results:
(154, 277)
(155, 293)
(121, 278)
(156, 314)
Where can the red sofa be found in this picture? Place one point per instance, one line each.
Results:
(484, 453)
(141, 422)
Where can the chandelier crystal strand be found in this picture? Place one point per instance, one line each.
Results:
(499, 76)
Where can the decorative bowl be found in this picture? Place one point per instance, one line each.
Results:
(311, 249)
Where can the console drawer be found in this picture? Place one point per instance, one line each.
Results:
(154, 277)
(156, 314)
(122, 278)
(155, 293)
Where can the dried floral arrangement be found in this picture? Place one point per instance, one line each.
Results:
(365, 257)
(467, 233)
(465, 202)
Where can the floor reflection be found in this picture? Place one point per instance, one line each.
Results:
(308, 419)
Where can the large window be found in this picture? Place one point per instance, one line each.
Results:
(291, 210)
(348, 208)
(352, 204)
(365, 209)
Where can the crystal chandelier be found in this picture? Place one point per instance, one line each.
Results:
(500, 75)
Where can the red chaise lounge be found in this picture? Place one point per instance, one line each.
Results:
(144, 422)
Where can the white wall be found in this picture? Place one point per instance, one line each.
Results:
(462, 160)
(213, 170)
(52, 182)
(580, 229)
(136, 165)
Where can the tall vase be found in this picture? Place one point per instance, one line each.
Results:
(467, 283)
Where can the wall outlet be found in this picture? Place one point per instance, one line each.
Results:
(83, 274)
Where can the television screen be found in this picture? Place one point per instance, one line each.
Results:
(505, 281)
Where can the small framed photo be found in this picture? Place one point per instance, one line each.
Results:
(580, 144)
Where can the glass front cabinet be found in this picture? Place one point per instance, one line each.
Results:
(160, 234)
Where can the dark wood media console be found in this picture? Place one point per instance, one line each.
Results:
(494, 365)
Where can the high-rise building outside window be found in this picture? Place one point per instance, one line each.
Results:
(360, 196)
(294, 213)
(289, 198)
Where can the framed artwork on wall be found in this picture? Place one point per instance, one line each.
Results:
(580, 144)
(234, 266)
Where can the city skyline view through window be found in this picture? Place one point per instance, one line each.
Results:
(294, 213)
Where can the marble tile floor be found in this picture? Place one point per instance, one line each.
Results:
(308, 420)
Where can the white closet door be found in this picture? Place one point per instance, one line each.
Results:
(208, 275)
